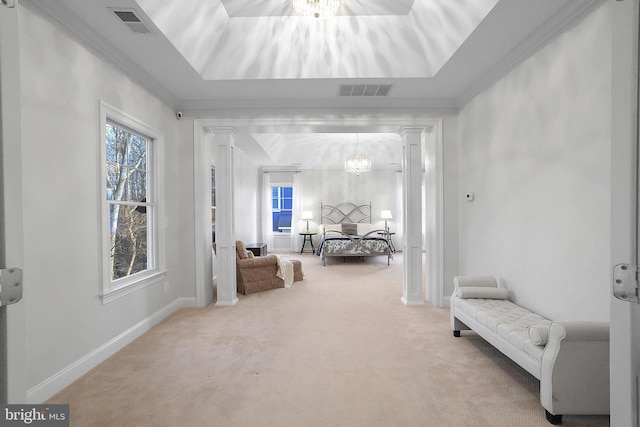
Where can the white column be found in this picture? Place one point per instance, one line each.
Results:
(225, 238)
(434, 213)
(412, 210)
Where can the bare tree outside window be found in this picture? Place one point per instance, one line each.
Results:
(128, 197)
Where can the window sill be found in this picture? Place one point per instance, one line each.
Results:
(115, 293)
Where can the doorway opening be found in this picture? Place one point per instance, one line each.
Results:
(432, 150)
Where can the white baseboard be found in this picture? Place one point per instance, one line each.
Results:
(190, 302)
(69, 374)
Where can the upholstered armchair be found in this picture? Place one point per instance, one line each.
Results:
(256, 274)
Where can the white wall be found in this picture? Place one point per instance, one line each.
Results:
(332, 186)
(62, 84)
(184, 210)
(535, 151)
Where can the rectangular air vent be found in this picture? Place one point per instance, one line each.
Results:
(364, 90)
(130, 18)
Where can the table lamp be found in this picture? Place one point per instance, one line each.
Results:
(386, 214)
(307, 215)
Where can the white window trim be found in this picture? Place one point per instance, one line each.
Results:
(113, 290)
(280, 184)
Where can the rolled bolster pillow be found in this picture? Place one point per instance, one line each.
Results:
(482, 292)
(539, 334)
(480, 281)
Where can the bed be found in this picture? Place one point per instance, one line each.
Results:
(346, 231)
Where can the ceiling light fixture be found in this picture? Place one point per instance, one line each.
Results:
(319, 9)
(357, 162)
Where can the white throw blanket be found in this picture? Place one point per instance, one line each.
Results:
(285, 271)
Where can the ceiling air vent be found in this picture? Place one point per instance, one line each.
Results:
(364, 90)
(130, 18)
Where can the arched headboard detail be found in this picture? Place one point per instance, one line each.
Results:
(345, 212)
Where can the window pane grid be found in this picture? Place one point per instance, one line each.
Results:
(129, 204)
(282, 202)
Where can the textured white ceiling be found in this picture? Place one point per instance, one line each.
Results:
(213, 43)
(246, 54)
(274, 45)
(246, 8)
(327, 150)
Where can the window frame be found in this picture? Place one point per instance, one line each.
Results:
(281, 197)
(114, 289)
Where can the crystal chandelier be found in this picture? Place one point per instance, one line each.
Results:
(320, 9)
(357, 162)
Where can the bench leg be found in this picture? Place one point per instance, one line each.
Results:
(553, 419)
(456, 333)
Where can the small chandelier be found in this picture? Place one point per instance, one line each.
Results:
(320, 9)
(357, 162)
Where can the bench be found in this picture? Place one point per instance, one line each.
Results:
(571, 359)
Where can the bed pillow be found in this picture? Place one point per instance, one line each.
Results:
(330, 227)
(481, 281)
(538, 334)
(364, 228)
(349, 229)
(482, 292)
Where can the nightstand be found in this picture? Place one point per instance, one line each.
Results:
(307, 238)
(258, 249)
(388, 234)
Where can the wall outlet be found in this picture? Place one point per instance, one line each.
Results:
(166, 287)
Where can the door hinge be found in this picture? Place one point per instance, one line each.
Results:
(625, 282)
(10, 285)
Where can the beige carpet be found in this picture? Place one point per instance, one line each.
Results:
(337, 349)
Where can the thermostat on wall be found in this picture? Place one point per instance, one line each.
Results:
(469, 196)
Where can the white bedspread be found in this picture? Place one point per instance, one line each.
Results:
(285, 271)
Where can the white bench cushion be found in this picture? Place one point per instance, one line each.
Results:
(507, 320)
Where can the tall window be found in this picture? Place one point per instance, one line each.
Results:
(131, 235)
(130, 204)
(281, 204)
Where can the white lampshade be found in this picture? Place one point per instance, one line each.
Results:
(386, 215)
(307, 215)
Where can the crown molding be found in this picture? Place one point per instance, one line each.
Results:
(101, 47)
(296, 103)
